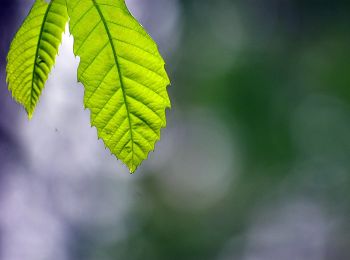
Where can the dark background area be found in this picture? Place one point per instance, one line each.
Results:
(254, 163)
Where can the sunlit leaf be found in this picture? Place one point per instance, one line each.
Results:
(123, 75)
(33, 51)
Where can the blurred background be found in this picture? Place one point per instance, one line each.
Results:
(254, 163)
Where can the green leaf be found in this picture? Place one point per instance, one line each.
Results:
(124, 77)
(33, 51)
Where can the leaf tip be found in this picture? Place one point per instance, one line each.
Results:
(132, 168)
(30, 116)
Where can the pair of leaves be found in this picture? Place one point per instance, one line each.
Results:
(120, 67)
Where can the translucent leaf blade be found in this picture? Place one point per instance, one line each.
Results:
(123, 75)
(33, 51)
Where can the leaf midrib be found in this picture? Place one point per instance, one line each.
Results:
(36, 55)
(120, 78)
